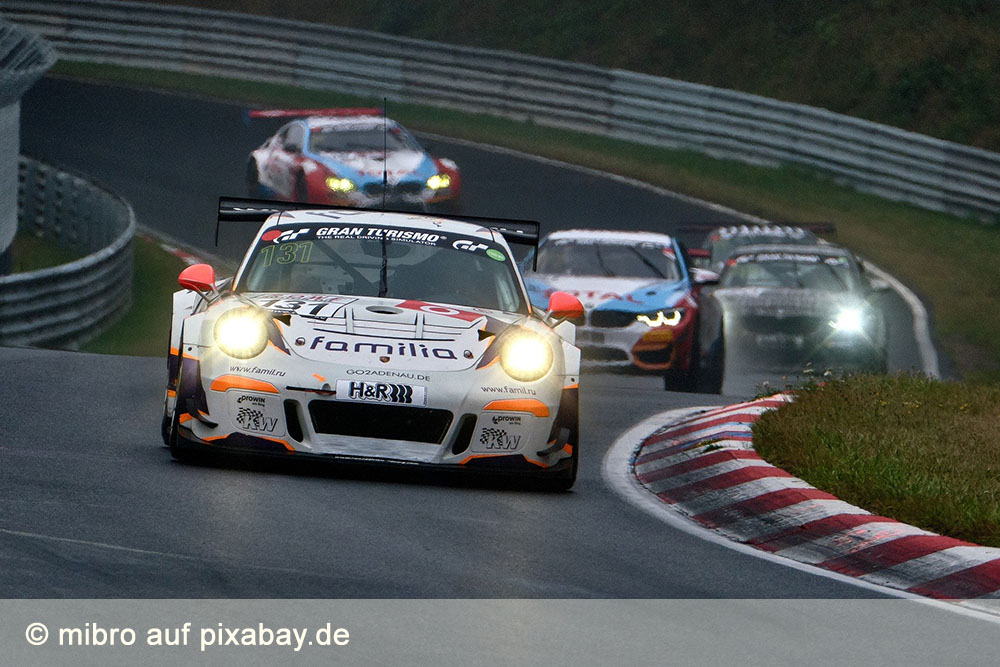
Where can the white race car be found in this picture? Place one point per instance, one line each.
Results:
(379, 337)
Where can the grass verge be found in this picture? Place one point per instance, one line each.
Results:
(144, 329)
(918, 450)
(30, 253)
(950, 261)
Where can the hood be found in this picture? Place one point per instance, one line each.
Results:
(780, 302)
(367, 166)
(383, 333)
(599, 293)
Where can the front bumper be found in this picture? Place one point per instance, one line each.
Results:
(637, 346)
(476, 418)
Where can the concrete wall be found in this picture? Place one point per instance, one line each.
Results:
(24, 57)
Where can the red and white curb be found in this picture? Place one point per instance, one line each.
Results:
(698, 467)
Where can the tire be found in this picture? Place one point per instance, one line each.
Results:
(564, 480)
(179, 449)
(686, 380)
(712, 369)
(165, 429)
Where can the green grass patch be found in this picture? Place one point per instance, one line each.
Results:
(922, 451)
(950, 261)
(30, 252)
(144, 329)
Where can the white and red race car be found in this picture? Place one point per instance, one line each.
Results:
(379, 337)
(350, 157)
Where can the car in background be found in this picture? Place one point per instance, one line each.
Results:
(346, 336)
(350, 157)
(723, 241)
(788, 307)
(639, 296)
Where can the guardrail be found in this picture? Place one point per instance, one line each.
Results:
(69, 304)
(901, 165)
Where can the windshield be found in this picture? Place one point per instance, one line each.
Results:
(792, 270)
(383, 261)
(359, 140)
(573, 257)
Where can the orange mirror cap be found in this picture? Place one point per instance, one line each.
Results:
(564, 306)
(197, 277)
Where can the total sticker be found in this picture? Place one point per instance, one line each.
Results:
(256, 413)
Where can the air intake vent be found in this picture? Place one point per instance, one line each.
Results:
(463, 436)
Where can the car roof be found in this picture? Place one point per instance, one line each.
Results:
(349, 122)
(763, 229)
(378, 218)
(610, 236)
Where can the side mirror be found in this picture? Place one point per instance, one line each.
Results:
(198, 277)
(564, 306)
(878, 285)
(704, 277)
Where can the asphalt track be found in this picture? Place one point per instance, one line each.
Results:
(93, 505)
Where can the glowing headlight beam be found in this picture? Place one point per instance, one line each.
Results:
(439, 181)
(849, 320)
(340, 184)
(670, 318)
(241, 333)
(526, 356)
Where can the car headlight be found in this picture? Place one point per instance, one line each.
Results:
(439, 181)
(525, 356)
(241, 333)
(849, 320)
(661, 318)
(340, 184)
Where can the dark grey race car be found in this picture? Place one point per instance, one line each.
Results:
(784, 307)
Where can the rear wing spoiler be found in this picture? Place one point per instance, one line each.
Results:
(302, 113)
(240, 209)
(814, 227)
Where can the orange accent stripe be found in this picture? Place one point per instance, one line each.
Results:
(494, 456)
(213, 438)
(225, 382)
(575, 385)
(568, 449)
(188, 356)
(172, 393)
(174, 351)
(184, 418)
(532, 405)
(319, 377)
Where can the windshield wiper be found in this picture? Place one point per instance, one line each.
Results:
(600, 260)
(652, 267)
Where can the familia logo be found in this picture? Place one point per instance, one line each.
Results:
(383, 349)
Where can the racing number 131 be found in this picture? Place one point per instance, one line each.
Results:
(287, 253)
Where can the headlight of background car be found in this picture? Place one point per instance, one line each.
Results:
(670, 317)
(340, 184)
(439, 181)
(849, 320)
(241, 333)
(525, 356)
